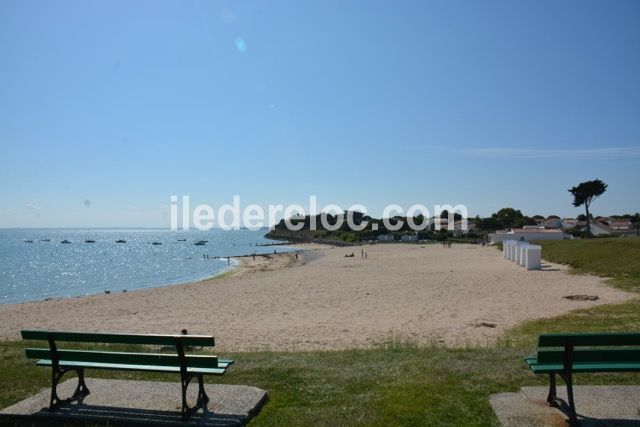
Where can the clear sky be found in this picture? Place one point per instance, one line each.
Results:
(107, 108)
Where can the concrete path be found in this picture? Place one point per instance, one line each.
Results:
(140, 403)
(595, 405)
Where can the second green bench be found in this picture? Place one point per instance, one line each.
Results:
(568, 354)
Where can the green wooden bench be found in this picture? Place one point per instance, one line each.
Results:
(61, 361)
(568, 354)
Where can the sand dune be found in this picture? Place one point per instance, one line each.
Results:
(458, 296)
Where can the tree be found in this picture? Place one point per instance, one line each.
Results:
(511, 218)
(584, 194)
(538, 219)
(503, 219)
(445, 215)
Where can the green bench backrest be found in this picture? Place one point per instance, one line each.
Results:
(592, 339)
(109, 338)
(620, 347)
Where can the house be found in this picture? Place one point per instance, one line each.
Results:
(599, 228)
(389, 237)
(568, 223)
(409, 238)
(552, 222)
(459, 227)
(528, 234)
(615, 228)
(621, 225)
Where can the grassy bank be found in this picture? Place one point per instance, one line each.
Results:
(398, 384)
(617, 259)
(394, 385)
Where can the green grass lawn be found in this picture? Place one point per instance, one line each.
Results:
(617, 258)
(398, 384)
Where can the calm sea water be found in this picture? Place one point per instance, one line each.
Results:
(48, 268)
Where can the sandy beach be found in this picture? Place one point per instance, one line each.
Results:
(459, 296)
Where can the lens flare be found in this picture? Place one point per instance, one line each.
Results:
(241, 45)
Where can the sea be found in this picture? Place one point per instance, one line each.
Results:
(35, 264)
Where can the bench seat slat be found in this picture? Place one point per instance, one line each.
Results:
(591, 339)
(112, 338)
(128, 367)
(198, 361)
(541, 368)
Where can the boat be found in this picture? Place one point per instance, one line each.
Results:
(45, 240)
(28, 241)
(65, 241)
(121, 241)
(200, 243)
(182, 240)
(156, 243)
(89, 241)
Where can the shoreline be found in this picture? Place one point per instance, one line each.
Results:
(227, 271)
(223, 273)
(237, 268)
(324, 300)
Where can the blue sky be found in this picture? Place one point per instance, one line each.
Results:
(109, 108)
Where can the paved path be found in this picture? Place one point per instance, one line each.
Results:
(596, 406)
(143, 403)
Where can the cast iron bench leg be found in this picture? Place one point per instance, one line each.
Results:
(202, 401)
(573, 418)
(80, 392)
(551, 397)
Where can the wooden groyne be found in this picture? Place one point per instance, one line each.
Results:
(274, 244)
(266, 255)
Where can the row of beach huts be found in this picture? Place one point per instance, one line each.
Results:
(523, 253)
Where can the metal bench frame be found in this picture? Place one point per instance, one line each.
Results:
(569, 341)
(58, 370)
(567, 376)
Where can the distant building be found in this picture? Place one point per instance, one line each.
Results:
(613, 228)
(568, 223)
(622, 225)
(599, 228)
(527, 234)
(386, 237)
(458, 226)
(552, 222)
(409, 238)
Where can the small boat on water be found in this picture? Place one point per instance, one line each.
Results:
(45, 240)
(65, 241)
(28, 241)
(156, 243)
(121, 241)
(89, 241)
(200, 243)
(182, 240)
